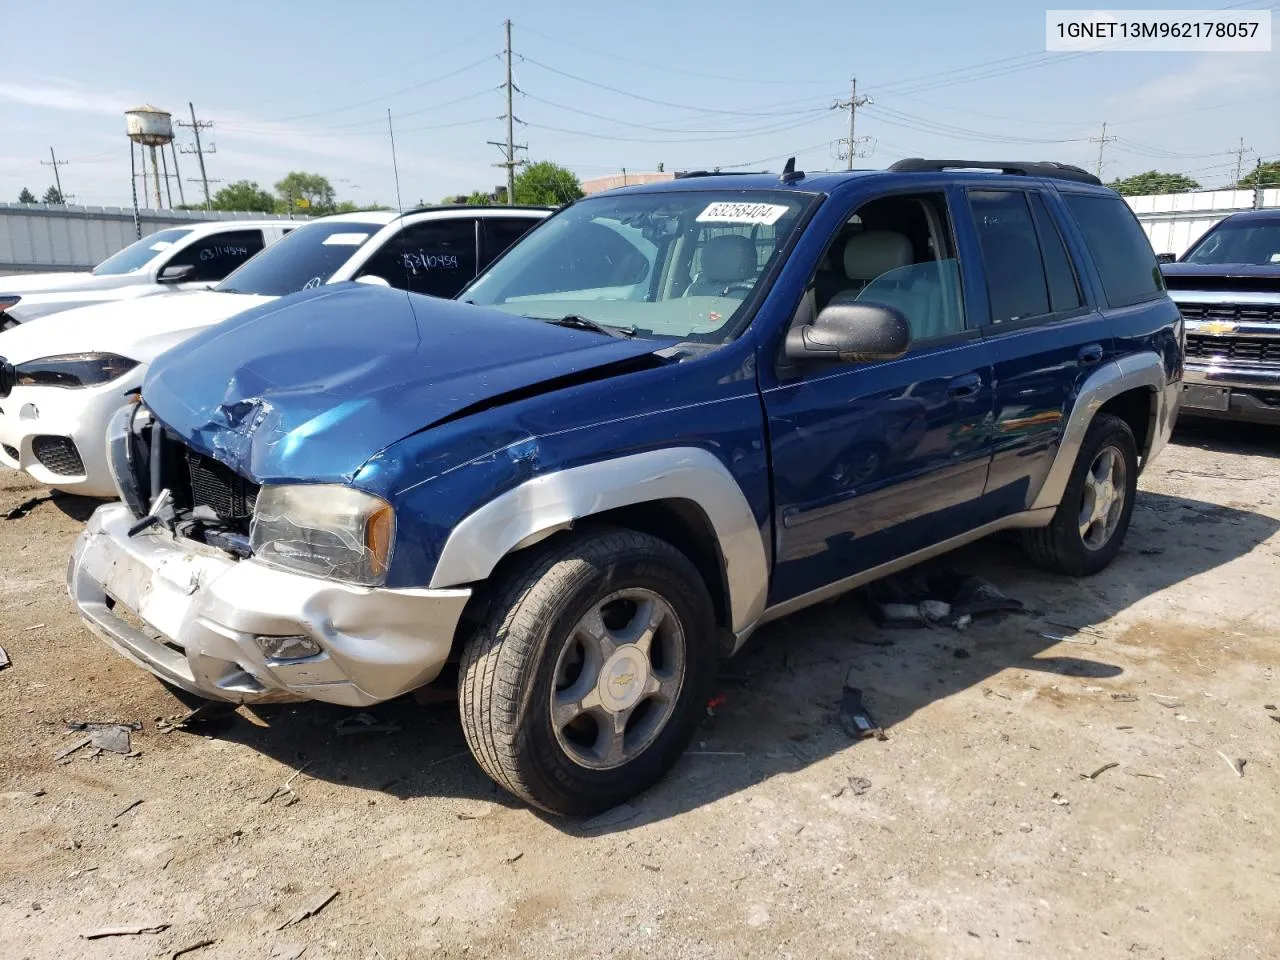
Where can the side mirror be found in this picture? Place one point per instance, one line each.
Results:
(1166, 258)
(851, 332)
(176, 274)
(373, 280)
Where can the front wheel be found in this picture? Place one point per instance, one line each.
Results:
(1088, 528)
(588, 677)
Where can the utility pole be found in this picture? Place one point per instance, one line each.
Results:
(852, 105)
(1240, 151)
(57, 179)
(510, 147)
(1101, 141)
(1257, 185)
(196, 126)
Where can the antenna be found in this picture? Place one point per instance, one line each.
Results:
(395, 168)
(789, 171)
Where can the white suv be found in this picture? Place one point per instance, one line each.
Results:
(177, 258)
(62, 378)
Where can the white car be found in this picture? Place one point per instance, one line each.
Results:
(61, 379)
(174, 259)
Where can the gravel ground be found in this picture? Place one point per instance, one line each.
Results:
(980, 834)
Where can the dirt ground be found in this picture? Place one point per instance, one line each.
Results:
(980, 835)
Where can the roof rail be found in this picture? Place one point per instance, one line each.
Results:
(681, 175)
(1042, 168)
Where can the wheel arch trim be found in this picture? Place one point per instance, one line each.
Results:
(1137, 371)
(545, 504)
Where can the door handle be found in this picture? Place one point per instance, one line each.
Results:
(1090, 354)
(965, 386)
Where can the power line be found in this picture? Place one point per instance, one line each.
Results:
(1102, 142)
(852, 105)
(780, 128)
(57, 177)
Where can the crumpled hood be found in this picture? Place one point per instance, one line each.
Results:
(138, 329)
(310, 387)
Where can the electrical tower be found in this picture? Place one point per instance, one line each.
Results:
(57, 179)
(852, 105)
(196, 126)
(510, 147)
(1102, 142)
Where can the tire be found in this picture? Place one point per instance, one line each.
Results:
(538, 650)
(1063, 546)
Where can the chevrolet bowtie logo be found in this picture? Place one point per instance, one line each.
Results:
(622, 679)
(1217, 326)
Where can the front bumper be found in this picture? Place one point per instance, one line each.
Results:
(190, 615)
(1232, 390)
(80, 417)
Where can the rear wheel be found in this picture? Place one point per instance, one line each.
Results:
(587, 680)
(1089, 526)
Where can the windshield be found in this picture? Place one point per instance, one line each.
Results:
(678, 264)
(1239, 241)
(305, 258)
(138, 255)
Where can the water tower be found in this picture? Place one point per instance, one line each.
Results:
(151, 127)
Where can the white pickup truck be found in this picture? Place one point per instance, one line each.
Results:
(176, 258)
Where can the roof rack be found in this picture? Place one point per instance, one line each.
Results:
(681, 175)
(1043, 168)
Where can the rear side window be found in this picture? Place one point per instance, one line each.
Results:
(215, 256)
(1119, 248)
(1064, 292)
(436, 258)
(1011, 253)
(502, 232)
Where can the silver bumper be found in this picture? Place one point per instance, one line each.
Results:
(1232, 390)
(191, 616)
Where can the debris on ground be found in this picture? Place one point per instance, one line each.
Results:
(856, 786)
(855, 718)
(1125, 697)
(478, 812)
(1059, 799)
(1066, 638)
(288, 951)
(1236, 765)
(512, 856)
(919, 598)
(132, 804)
(104, 736)
(63, 754)
(22, 509)
(1100, 771)
(364, 723)
(4, 658)
(210, 710)
(611, 818)
(129, 931)
(311, 908)
(961, 654)
(189, 948)
(1173, 703)
(287, 788)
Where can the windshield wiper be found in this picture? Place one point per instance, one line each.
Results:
(578, 322)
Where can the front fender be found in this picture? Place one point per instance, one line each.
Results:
(552, 501)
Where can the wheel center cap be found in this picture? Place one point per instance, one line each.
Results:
(623, 679)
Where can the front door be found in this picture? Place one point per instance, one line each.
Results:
(874, 461)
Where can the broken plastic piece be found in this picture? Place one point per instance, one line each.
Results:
(854, 716)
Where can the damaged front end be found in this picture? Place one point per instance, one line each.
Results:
(238, 593)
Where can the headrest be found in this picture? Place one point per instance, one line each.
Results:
(728, 258)
(868, 255)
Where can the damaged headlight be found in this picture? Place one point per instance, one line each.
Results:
(326, 530)
(73, 370)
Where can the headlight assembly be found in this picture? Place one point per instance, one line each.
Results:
(327, 530)
(73, 370)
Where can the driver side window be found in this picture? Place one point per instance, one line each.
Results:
(898, 251)
(212, 258)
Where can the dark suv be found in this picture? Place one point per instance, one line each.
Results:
(668, 415)
(1228, 289)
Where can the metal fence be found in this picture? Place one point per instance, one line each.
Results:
(39, 237)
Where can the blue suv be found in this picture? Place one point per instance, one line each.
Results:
(668, 415)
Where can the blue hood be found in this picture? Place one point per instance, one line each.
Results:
(311, 386)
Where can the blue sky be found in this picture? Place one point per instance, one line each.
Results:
(306, 85)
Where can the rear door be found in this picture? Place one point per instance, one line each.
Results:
(499, 233)
(1044, 335)
(875, 461)
(434, 257)
(214, 256)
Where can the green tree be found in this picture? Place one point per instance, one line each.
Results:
(1153, 181)
(1268, 173)
(308, 193)
(546, 183)
(26, 196)
(52, 195)
(347, 206)
(479, 198)
(244, 196)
